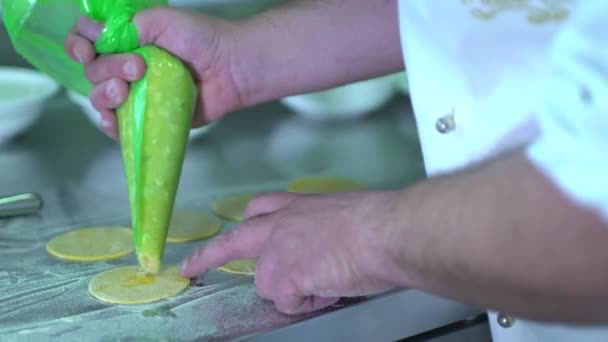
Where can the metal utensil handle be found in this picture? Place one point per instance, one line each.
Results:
(20, 204)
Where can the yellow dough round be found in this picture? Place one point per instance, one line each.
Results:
(92, 244)
(125, 285)
(232, 207)
(246, 267)
(188, 226)
(324, 185)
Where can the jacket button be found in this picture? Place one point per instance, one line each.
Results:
(446, 124)
(505, 321)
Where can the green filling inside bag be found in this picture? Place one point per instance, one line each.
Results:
(154, 145)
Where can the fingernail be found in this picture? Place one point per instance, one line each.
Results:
(111, 91)
(79, 54)
(184, 265)
(106, 127)
(105, 123)
(129, 69)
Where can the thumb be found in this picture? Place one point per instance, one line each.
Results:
(243, 242)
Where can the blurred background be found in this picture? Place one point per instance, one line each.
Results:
(8, 56)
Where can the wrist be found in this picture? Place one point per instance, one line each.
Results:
(405, 243)
(248, 55)
(384, 238)
(228, 59)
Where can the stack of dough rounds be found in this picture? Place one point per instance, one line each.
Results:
(125, 285)
(232, 207)
(92, 244)
(246, 267)
(323, 185)
(189, 226)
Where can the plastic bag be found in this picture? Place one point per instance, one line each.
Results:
(154, 125)
(38, 30)
(155, 120)
(119, 33)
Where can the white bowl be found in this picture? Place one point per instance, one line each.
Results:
(402, 83)
(348, 101)
(93, 116)
(23, 94)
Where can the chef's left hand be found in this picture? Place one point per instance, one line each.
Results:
(312, 249)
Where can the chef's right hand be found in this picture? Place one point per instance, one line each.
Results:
(204, 44)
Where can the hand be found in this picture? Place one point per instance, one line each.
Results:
(312, 249)
(202, 43)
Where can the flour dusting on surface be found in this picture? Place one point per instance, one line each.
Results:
(45, 298)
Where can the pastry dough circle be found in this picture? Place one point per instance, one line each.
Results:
(189, 226)
(92, 244)
(125, 285)
(246, 267)
(232, 207)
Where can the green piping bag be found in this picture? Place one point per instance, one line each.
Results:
(155, 120)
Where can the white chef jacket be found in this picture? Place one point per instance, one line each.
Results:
(486, 76)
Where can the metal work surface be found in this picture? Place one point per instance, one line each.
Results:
(79, 173)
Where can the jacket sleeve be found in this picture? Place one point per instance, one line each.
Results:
(572, 149)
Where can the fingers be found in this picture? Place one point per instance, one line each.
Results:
(105, 97)
(109, 95)
(316, 303)
(129, 67)
(199, 120)
(79, 48)
(294, 305)
(268, 203)
(289, 304)
(88, 28)
(243, 242)
(79, 42)
(276, 281)
(285, 295)
(108, 124)
(109, 73)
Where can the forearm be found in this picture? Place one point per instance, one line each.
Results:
(310, 45)
(503, 237)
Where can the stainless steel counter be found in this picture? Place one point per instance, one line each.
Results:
(79, 173)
